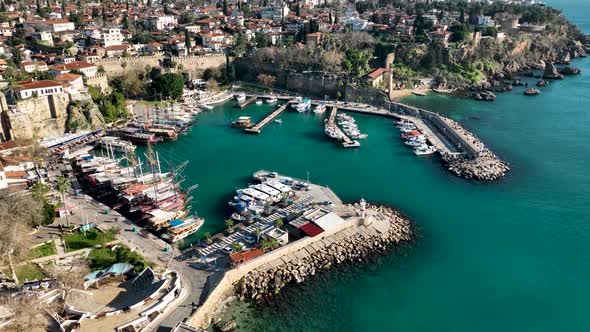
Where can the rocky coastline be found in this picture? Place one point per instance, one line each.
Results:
(257, 285)
(486, 166)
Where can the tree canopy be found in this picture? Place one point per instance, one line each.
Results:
(169, 85)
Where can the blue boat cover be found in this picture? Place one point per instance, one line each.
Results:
(176, 222)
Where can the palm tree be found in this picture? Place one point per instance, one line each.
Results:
(208, 237)
(257, 232)
(62, 184)
(278, 223)
(229, 223)
(236, 247)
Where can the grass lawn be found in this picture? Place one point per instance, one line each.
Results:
(26, 272)
(46, 249)
(104, 257)
(89, 239)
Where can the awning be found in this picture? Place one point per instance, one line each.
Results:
(311, 229)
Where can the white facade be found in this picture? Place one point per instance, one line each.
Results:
(162, 22)
(112, 37)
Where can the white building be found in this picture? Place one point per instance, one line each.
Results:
(26, 89)
(162, 22)
(111, 37)
(485, 21)
(51, 25)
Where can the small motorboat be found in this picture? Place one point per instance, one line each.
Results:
(278, 121)
(238, 217)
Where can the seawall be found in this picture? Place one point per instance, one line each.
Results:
(203, 316)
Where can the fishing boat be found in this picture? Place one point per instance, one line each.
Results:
(206, 106)
(116, 144)
(238, 217)
(259, 102)
(332, 132)
(180, 229)
(241, 97)
(242, 122)
(321, 108)
(303, 105)
(353, 144)
(272, 100)
(424, 150)
(413, 143)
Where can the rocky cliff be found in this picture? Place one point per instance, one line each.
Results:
(49, 116)
(83, 114)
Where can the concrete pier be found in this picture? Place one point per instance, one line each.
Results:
(258, 127)
(332, 124)
(247, 102)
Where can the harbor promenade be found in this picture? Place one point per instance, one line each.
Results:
(258, 127)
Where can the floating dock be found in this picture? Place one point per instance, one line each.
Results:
(247, 102)
(258, 127)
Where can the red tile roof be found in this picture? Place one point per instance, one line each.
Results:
(311, 229)
(242, 257)
(377, 72)
(30, 84)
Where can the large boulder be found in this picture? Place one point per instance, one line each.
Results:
(551, 72)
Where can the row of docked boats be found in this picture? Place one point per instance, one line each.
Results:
(349, 126)
(150, 197)
(414, 138)
(253, 201)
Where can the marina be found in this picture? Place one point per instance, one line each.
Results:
(256, 129)
(461, 151)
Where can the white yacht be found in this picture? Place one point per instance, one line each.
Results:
(271, 100)
(321, 108)
(241, 97)
(424, 150)
(302, 106)
(180, 229)
(353, 144)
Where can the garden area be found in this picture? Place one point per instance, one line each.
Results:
(44, 250)
(27, 272)
(104, 257)
(90, 238)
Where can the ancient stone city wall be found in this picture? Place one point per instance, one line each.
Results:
(192, 64)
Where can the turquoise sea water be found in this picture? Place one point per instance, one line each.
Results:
(506, 256)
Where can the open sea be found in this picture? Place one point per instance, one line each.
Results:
(507, 256)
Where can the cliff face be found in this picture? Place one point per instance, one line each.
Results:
(498, 58)
(83, 114)
(49, 116)
(43, 116)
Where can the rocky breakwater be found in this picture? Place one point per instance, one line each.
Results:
(355, 249)
(485, 166)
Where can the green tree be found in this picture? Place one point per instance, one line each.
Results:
(225, 8)
(236, 247)
(229, 224)
(62, 185)
(208, 237)
(269, 244)
(169, 85)
(278, 223)
(187, 41)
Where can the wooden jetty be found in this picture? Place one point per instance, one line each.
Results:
(258, 127)
(247, 102)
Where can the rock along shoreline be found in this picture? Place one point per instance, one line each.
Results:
(357, 248)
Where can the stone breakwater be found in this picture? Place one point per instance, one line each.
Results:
(486, 166)
(355, 248)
